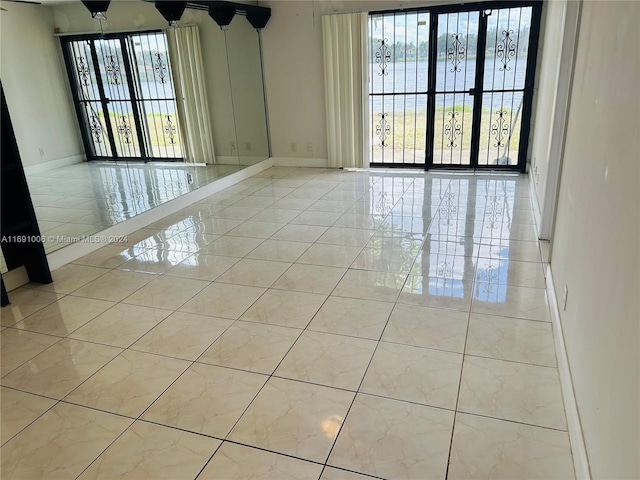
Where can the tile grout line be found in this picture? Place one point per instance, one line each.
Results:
(464, 348)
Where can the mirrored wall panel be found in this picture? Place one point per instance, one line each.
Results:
(247, 89)
(116, 78)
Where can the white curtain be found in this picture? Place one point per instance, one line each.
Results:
(191, 94)
(344, 39)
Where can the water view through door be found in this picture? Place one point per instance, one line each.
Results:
(451, 87)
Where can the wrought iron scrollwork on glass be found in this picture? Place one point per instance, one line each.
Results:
(500, 129)
(383, 56)
(456, 52)
(112, 68)
(171, 130)
(84, 73)
(452, 129)
(383, 129)
(125, 129)
(506, 48)
(95, 127)
(160, 67)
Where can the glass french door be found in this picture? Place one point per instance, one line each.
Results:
(451, 109)
(506, 86)
(124, 96)
(452, 86)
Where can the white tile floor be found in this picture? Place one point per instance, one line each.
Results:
(301, 324)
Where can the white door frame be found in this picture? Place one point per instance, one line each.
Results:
(560, 117)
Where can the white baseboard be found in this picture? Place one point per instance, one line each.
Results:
(300, 162)
(72, 252)
(53, 164)
(574, 427)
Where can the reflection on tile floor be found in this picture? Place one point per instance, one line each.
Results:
(86, 198)
(304, 323)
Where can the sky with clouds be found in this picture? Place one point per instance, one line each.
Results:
(415, 25)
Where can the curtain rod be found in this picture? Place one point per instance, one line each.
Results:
(141, 30)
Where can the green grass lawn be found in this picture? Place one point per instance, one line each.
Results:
(408, 130)
(156, 124)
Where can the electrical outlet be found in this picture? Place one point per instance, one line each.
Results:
(41, 151)
(247, 146)
(564, 298)
(310, 147)
(189, 178)
(294, 147)
(232, 144)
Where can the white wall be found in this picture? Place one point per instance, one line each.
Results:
(35, 85)
(596, 248)
(292, 52)
(549, 56)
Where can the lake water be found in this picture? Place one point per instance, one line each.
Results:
(400, 77)
(119, 97)
(412, 77)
